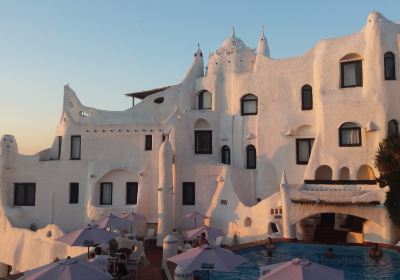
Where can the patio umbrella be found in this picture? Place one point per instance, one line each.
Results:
(211, 233)
(195, 215)
(298, 269)
(208, 258)
(67, 269)
(89, 236)
(133, 218)
(112, 221)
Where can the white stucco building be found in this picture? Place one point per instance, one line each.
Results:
(262, 146)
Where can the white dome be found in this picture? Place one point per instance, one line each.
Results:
(232, 42)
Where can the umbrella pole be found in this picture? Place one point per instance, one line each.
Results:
(195, 225)
(208, 274)
(88, 252)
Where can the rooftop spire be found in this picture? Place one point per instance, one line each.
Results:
(233, 32)
(263, 48)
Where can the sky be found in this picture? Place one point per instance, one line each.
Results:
(105, 49)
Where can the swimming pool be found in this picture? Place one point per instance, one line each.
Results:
(353, 260)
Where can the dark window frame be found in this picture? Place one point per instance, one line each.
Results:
(358, 83)
(225, 150)
(389, 56)
(148, 142)
(310, 144)
(196, 150)
(304, 90)
(25, 201)
(251, 165)
(243, 100)
(341, 129)
(102, 184)
(59, 138)
(192, 200)
(200, 100)
(73, 199)
(128, 200)
(80, 147)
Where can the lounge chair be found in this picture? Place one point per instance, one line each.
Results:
(136, 257)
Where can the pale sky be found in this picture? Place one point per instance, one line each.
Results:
(105, 49)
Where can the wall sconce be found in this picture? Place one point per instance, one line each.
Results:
(93, 176)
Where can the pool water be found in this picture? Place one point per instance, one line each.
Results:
(353, 260)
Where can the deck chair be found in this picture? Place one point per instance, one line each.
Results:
(136, 257)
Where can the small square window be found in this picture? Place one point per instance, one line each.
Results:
(351, 75)
(24, 194)
(303, 150)
(203, 141)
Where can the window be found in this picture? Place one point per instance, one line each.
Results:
(24, 194)
(203, 141)
(106, 190)
(351, 73)
(390, 67)
(225, 155)
(251, 157)
(75, 147)
(205, 100)
(393, 128)
(349, 135)
(188, 193)
(73, 193)
(306, 98)
(131, 192)
(249, 105)
(303, 150)
(59, 138)
(148, 146)
(162, 138)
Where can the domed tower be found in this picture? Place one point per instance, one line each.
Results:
(232, 56)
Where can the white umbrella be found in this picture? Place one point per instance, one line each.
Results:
(211, 233)
(89, 236)
(195, 215)
(133, 218)
(208, 258)
(112, 221)
(67, 269)
(298, 269)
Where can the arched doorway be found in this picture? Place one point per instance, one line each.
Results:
(324, 172)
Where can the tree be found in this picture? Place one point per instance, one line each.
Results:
(387, 160)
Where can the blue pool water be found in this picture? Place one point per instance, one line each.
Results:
(353, 260)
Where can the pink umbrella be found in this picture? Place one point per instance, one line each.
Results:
(89, 236)
(67, 269)
(298, 269)
(112, 221)
(208, 258)
(195, 215)
(133, 218)
(211, 233)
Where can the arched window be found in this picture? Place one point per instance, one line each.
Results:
(249, 105)
(251, 157)
(390, 67)
(349, 135)
(306, 98)
(393, 128)
(204, 100)
(202, 137)
(351, 70)
(226, 154)
(324, 172)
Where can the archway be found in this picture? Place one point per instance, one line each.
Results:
(324, 172)
(344, 173)
(365, 172)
